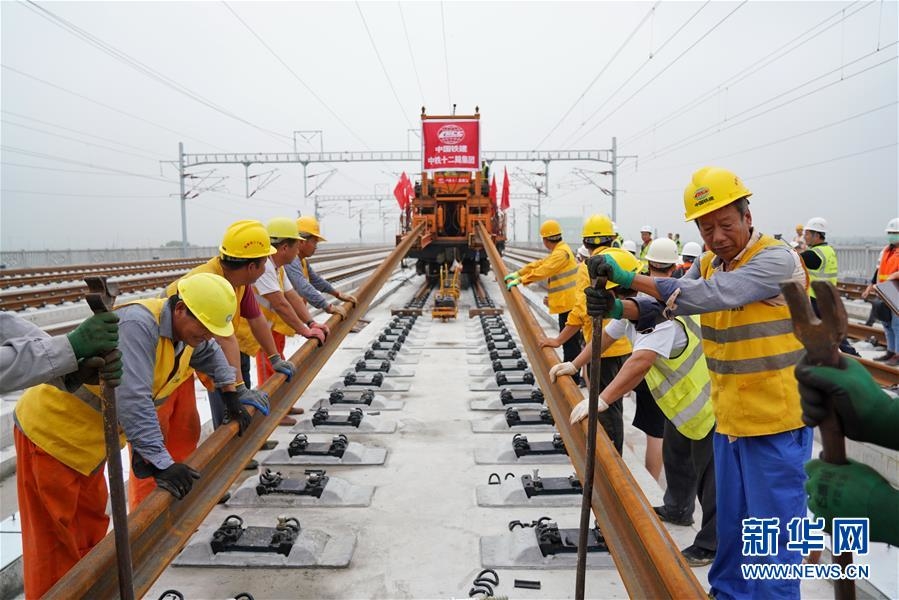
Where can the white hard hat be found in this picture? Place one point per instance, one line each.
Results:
(663, 251)
(816, 224)
(583, 252)
(893, 226)
(692, 249)
(646, 229)
(630, 246)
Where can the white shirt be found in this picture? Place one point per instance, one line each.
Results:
(268, 283)
(666, 339)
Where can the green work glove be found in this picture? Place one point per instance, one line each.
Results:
(96, 336)
(605, 266)
(603, 303)
(866, 413)
(510, 283)
(512, 275)
(855, 491)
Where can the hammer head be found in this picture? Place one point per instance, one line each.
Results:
(101, 294)
(821, 337)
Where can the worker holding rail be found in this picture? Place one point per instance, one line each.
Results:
(761, 443)
(559, 269)
(59, 440)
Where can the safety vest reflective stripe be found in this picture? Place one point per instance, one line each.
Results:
(69, 427)
(751, 353)
(563, 287)
(681, 385)
(569, 273)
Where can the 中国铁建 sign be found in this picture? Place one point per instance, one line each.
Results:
(450, 145)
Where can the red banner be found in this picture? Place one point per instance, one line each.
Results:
(450, 145)
(504, 203)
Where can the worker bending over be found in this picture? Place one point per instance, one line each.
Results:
(309, 284)
(60, 446)
(559, 269)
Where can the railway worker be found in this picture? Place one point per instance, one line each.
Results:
(691, 252)
(582, 254)
(669, 359)
(820, 260)
(596, 235)
(888, 268)
(29, 356)
(60, 447)
(630, 246)
(283, 308)
(866, 414)
(798, 242)
(242, 256)
(761, 443)
(559, 269)
(307, 283)
(646, 239)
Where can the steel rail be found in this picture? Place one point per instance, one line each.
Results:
(649, 562)
(860, 331)
(161, 526)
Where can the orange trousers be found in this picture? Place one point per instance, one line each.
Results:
(180, 424)
(63, 514)
(263, 366)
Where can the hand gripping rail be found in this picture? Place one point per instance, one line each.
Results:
(161, 526)
(649, 562)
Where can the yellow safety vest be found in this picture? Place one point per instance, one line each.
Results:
(69, 427)
(751, 352)
(214, 265)
(559, 269)
(681, 385)
(827, 271)
(245, 337)
(579, 317)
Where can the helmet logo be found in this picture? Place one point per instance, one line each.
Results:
(451, 134)
(702, 196)
(228, 318)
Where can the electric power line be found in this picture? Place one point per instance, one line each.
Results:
(40, 193)
(412, 54)
(295, 76)
(383, 67)
(42, 168)
(449, 96)
(821, 162)
(33, 154)
(144, 69)
(66, 137)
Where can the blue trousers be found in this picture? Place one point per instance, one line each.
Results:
(757, 477)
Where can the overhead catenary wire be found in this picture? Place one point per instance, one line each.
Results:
(374, 46)
(33, 154)
(761, 63)
(85, 142)
(302, 82)
(601, 72)
(820, 162)
(449, 95)
(412, 54)
(108, 107)
(700, 39)
(146, 70)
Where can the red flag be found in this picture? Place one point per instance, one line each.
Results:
(409, 189)
(400, 192)
(493, 191)
(504, 205)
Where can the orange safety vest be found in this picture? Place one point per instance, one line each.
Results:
(889, 263)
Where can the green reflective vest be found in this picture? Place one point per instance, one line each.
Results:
(827, 270)
(681, 385)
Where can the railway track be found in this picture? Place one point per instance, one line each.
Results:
(138, 280)
(647, 559)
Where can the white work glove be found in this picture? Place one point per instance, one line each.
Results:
(564, 368)
(579, 412)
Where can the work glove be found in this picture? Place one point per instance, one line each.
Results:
(603, 265)
(337, 309)
(510, 283)
(581, 409)
(348, 298)
(603, 303)
(255, 398)
(311, 333)
(236, 411)
(176, 480)
(279, 365)
(855, 491)
(512, 275)
(563, 368)
(321, 327)
(96, 336)
(92, 370)
(866, 413)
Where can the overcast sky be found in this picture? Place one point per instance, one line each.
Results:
(798, 98)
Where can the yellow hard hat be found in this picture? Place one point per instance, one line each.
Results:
(308, 226)
(246, 239)
(625, 260)
(211, 299)
(283, 228)
(550, 228)
(598, 226)
(710, 189)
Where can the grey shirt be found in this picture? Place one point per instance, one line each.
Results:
(311, 289)
(139, 334)
(28, 356)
